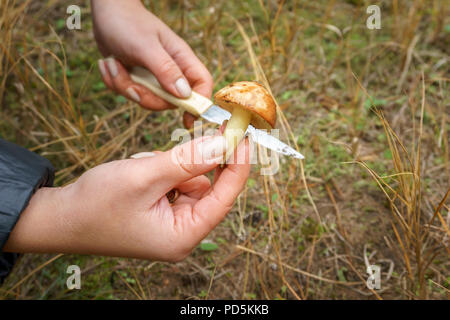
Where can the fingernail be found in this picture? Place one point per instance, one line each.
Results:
(133, 94)
(213, 148)
(101, 66)
(143, 155)
(183, 88)
(112, 66)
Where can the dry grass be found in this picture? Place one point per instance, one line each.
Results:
(346, 96)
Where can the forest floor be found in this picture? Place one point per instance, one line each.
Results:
(369, 109)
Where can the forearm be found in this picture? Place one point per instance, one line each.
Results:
(44, 226)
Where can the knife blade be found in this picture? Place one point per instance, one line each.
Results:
(218, 115)
(199, 105)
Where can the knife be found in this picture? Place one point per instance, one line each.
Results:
(199, 105)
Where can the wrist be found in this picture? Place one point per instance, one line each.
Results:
(45, 226)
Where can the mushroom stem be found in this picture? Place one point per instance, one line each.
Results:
(235, 129)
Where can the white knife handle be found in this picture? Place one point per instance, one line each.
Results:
(196, 104)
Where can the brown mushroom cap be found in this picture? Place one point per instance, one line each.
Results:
(251, 96)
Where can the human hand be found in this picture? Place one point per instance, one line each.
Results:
(120, 208)
(134, 36)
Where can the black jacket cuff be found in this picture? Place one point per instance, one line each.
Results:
(22, 172)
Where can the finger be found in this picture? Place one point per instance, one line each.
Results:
(166, 70)
(188, 120)
(106, 77)
(193, 69)
(219, 169)
(117, 78)
(145, 154)
(217, 173)
(212, 208)
(142, 155)
(195, 187)
(222, 127)
(180, 164)
(196, 73)
(183, 205)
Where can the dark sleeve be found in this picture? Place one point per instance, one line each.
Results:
(22, 172)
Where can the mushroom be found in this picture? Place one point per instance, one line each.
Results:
(249, 103)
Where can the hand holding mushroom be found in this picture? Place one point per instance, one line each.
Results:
(120, 208)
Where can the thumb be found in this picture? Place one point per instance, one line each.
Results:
(167, 72)
(184, 162)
